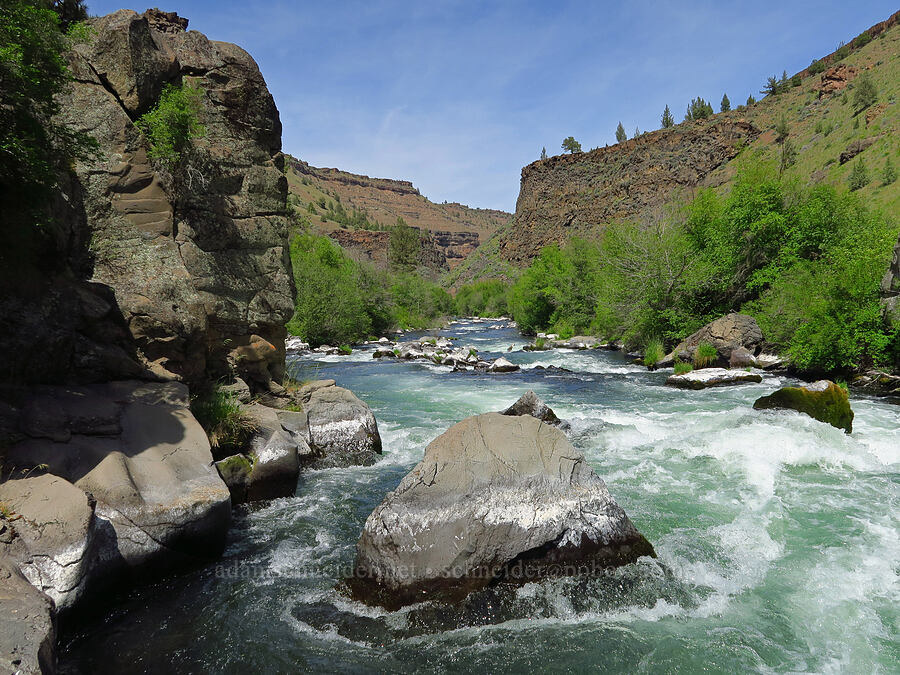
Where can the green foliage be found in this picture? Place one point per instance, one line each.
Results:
(69, 12)
(889, 174)
(34, 149)
(698, 110)
(859, 175)
(725, 105)
(404, 246)
(620, 134)
(816, 67)
(862, 39)
(667, 120)
(653, 352)
(224, 420)
(682, 367)
(543, 153)
(486, 297)
(340, 301)
(842, 52)
(865, 93)
(172, 125)
(345, 350)
(558, 289)
(570, 145)
(751, 100)
(540, 343)
(705, 355)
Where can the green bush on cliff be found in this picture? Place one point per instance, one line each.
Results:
(172, 124)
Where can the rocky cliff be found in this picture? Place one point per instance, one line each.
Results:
(572, 195)
(456, 230)
(159, 280)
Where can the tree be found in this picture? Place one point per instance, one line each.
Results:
(889, 175)
(859, 176)
(667, 120)
(725, 105)
(782, 129)
(751, 100)
(865, 93)
(620, 133)
(543, 153)
(637, 132)
(771, 87)
(571, 145)
(698, 109)
(69, 11)
(404, 246)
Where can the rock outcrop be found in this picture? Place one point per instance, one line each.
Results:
(727, 334)
(163, 277)
(530, 404)
(890, 288)
(712, 377)
(130, 487)
(822, 400)
(495, 498)
(27, 624)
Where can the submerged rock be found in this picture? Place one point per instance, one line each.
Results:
(712, 377)
(822, 400)
(530, 404)
(495, 498)
(27, 624)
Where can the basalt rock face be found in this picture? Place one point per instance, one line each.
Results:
(729, 334)
(890, 288)
(571, 195)
(496, 498)
(185, 270)
(27, 624)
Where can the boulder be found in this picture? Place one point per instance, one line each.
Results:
(878, 382)
(726, 334)
(712, 377)
(741, 358)
(502, 365)
(27, 624)
(530, 404)
(382, 352)
(822, 400)
(275, 459)
(235, 472)
(159, 501)
(341, 428)
(495, 498)
(54, 535)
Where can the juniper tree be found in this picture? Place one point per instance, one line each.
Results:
(620, 133)
(865, 93)
(667, 120)
(859, 176)
(543, 153)
(725, 105)
(571, 145)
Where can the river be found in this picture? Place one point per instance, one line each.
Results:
(777, 539)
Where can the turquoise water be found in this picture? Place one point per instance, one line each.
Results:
(777, 538)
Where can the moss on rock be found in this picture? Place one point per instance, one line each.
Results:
(823, 400)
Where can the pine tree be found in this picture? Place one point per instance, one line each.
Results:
(543, 153)
(859, 177)
(889, 175)
(620, 133)
(725, 105)
(571, 145)
(637, 132)
(698, 109)
(782, 130)
(771, 87)
(667, 120)
(751, 100)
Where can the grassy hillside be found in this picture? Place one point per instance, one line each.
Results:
(642, 179)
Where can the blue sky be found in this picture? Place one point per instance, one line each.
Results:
(457, 96)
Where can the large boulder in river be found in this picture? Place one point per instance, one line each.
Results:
(726, 334)
(495, 497)
(823, 400)
(132, 486)
(713, 377)
(27, 624)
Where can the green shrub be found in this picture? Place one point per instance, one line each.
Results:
(653, 352)
(842, 52)
(682, 367)
(862, 39)
(172, 124)
(705, 355)
(889, 174)
(345, 350)
(540, 342)
(224, 420)
(486, 297)
(865, 93)
(859, 176)
(816, 67)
